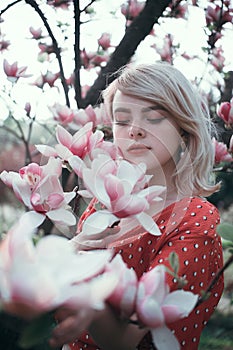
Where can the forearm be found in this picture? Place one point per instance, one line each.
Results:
(110, 332)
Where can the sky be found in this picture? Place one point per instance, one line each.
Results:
(188, 34)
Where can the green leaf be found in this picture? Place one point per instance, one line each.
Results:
(225, 230)
(174, 262)
(227, 244)
(37, 332)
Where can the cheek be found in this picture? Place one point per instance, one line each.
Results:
(120, 135)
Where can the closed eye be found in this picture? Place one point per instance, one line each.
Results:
(155, 120)
(121, 122)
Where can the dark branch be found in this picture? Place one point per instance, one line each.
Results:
(135, 33)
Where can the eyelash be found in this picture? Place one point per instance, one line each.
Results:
(121, 123)
(155, 121)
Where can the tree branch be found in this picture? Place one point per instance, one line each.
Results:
(135, 33)
(57, 50)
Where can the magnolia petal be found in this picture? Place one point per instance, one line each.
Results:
(95, 185)
(85, 194)
(102, 287)
(181, 304)
(62, 216)
(152, 192)
(91, 294)
(149, 312)
(63, 136)
(68, 196)
(77, 164)
(129, 205)
(148, 223)
(98, 222)
(32, 219)
(163, 339)
(47, 151)
(63, 151)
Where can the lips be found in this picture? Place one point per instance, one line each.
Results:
(138, 147)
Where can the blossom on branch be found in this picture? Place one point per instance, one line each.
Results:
(14, 72)
(225, 112)
(156, 307)
(79, 149)
(122, 189)
(48, 279)
(221, 152)
(40, 190)
(123, 296)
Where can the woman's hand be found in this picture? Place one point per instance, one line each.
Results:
(97, 241)
(71, 324)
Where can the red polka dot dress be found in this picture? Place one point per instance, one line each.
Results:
(188, 228)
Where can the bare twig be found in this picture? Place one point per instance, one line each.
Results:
(57, 50)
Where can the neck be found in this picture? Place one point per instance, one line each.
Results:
(163, 177)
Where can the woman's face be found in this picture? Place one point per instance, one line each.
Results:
(145, 133)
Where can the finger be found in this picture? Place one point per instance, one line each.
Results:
(66, 331)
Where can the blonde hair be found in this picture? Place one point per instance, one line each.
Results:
(163, 84)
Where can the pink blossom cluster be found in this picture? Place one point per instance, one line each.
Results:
(48, 279)
(40, 190)
(132, 9)
(83, 144)
(150, 301)
(224, 153)
(122, 189)
(95, 278)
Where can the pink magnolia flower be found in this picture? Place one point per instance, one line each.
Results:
(62, 113)
(166, 52)
(78, 144)
(50, 78)
(96, 115)
(221, 152)
(4, 44)
(35, 279)
(132, 10)
(36, 33)
(63, 4)
(156, 306)
(99, 60)
(39, 188)
(27, 108)
(225, 112)
(124, 295)
(115, 185)
(105, 41)
(217, 15)
(86, 58)
(180, 10)
(218, 59)
(82, 146)
(45, 48)
(39, 82)
(14, 72)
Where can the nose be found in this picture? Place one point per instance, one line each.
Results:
(136, 132)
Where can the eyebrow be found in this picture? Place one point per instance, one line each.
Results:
(153, 108)
(145, 109)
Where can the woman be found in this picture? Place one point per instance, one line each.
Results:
(159, 119)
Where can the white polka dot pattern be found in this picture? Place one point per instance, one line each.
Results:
(193, 237)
